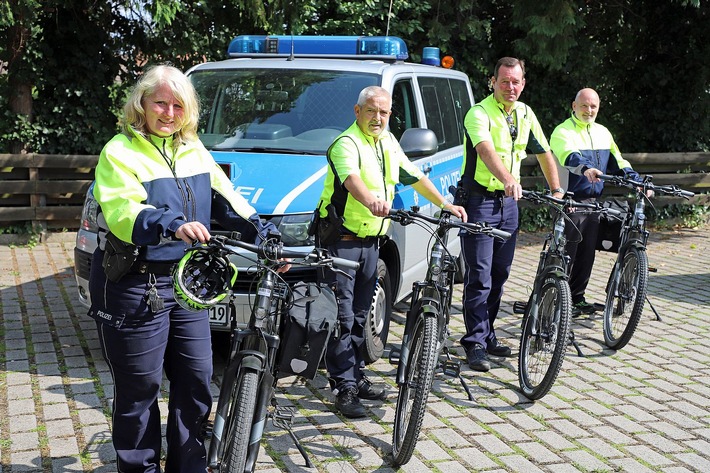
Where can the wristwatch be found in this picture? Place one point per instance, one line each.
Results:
(559, 189)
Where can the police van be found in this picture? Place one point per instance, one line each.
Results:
(269, 113)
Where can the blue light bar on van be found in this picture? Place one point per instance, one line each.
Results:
(376, 47)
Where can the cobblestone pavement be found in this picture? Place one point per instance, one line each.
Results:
(644, 408)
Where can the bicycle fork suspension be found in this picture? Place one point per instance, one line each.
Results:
(266, 392)
(221, 414)
(427, 310)
(248, 359)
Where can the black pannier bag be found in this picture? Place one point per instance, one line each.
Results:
(306, 330)
(610, 227)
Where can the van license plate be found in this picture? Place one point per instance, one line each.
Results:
(218, 315)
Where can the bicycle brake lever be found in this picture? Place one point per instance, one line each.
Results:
(320, 256)
(340, 271)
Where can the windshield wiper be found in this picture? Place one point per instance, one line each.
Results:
(266, 149)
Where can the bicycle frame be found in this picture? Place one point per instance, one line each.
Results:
(432, 295)
(626, 290)
(253, 352)
(633, 229)
(633, 234)
(553, 258)
(253, 348)
(547, 313)
(426, 330)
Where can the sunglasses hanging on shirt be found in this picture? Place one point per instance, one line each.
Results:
(511, 126)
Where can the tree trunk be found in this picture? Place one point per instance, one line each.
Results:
(20, 99)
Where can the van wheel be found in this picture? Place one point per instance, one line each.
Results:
(378, 320)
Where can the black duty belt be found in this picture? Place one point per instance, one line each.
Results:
(475, 188)
(492, 194)
(153, 267)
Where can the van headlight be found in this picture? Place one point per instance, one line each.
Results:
(89, 212)
(294, 229)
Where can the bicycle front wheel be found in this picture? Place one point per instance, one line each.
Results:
(625, 298)
(238, 428)
(413, 394)
(544, 340)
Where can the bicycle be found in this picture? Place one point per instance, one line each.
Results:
(426, 328)
(547, 314)
(247, 393)
(626, 289)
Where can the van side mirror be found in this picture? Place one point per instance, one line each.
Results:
(419, 142)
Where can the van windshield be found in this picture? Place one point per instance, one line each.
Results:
(276, 110)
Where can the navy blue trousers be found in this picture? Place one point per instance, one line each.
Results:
(344, 360)
(139, 346)
(488, 261)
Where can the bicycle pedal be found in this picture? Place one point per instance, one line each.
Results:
(394, 356)
(451, 367)
(207, 428)
(283, 417)
(519, 307)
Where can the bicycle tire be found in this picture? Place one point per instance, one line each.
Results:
(378, 319)
(544, 339)
(413, 394)
(625, 298)
(241, 415)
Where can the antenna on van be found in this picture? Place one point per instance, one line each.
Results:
(389, 15)
(292, 56)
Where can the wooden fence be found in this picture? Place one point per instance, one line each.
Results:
(690, 171)
(48, 191)
(45, 190)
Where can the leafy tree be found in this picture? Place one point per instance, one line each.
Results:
(18, 56)
(65, 65)
(68, 63)
(642, 56)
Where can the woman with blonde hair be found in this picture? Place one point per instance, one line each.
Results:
(158, 189)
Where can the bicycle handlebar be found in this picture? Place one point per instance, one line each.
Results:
(344, 263)
(405, 217)
(568, 202)
(646, 184)
(273, 250)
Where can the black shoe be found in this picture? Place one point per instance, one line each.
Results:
(367, 390)
(349, 405)
(499, 350)
(583, 307)
(477, 358)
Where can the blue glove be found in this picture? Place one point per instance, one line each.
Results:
(631, 174)
(262, 229)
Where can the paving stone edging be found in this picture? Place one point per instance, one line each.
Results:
(644, 408)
